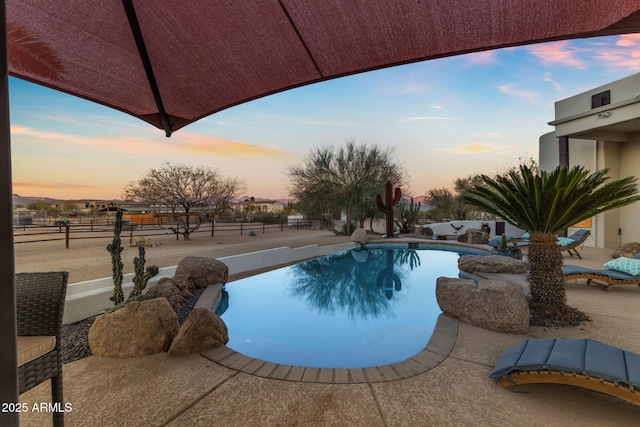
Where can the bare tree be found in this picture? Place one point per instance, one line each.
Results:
(187, 191)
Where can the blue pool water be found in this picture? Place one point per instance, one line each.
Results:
(363, 307)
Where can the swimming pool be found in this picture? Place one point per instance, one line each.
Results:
(363, 307)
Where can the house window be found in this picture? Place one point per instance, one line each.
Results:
(600, 99)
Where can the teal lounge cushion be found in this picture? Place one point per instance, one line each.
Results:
(626, 265)
(565, 241)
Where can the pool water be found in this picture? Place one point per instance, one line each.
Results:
(357, 308)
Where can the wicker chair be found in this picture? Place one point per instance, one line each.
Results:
(39, 307)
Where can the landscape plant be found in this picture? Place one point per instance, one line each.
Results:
(446, 204)
(141, 274)
(507, 247)
(194, 195)
(115, 249)
(408, 215)
(545, 204)
(332, 180)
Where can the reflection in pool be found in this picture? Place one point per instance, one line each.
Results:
(357, 308)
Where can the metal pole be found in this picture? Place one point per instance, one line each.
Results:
(8, 331)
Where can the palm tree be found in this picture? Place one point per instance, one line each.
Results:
(545, 204)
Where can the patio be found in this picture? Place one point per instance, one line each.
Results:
(192, 390)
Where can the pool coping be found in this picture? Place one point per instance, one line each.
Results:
(441, 344)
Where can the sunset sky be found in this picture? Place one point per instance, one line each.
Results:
(445, 118)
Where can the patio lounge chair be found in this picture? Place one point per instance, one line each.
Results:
(518, 241)
(39, 307)
(606, 279)
(581, 363)
(569, 244)
(579, 237)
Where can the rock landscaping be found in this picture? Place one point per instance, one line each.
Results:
(492, 264)
(141, 328)
(497, 305)
(150, 326)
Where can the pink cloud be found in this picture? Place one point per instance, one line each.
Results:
(205, 144)
(184, 141)
(557, 53)
(628, 40)
(625, 53)
(486, 57)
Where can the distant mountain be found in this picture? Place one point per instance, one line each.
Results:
(25, 200)
(422, 199)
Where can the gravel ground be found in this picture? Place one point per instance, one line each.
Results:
(73, 340)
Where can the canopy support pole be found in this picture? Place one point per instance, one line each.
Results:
(8, 331)
(146, 62)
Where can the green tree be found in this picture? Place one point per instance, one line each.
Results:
(452, 204)
(461, 186)
(442, 203)
(193, 191)
(545, 204)
(345, 179)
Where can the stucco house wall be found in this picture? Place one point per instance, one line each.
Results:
(601, 136)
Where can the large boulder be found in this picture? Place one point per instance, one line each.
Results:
(492, 264)
(141, 328)
(497, 305)
(201, 330)
(360, 236)
(627, 250)
(199, 272)
(166, 288)
(474, 236)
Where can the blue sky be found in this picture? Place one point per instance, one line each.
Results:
(445, 118)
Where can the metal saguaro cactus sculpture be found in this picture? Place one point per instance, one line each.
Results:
(387, 207)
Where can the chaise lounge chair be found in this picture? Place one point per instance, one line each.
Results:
(606, 279)
(569, 244)
(512, 242)
(581, 363)
(39, 307)
(579, 237)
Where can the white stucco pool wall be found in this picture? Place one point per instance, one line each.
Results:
(89, 298)
(461, 226)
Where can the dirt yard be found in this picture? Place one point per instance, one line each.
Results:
(88, 259)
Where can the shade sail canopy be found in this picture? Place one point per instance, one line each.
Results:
(206, 56)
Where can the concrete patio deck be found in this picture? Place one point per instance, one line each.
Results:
(193, 390)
